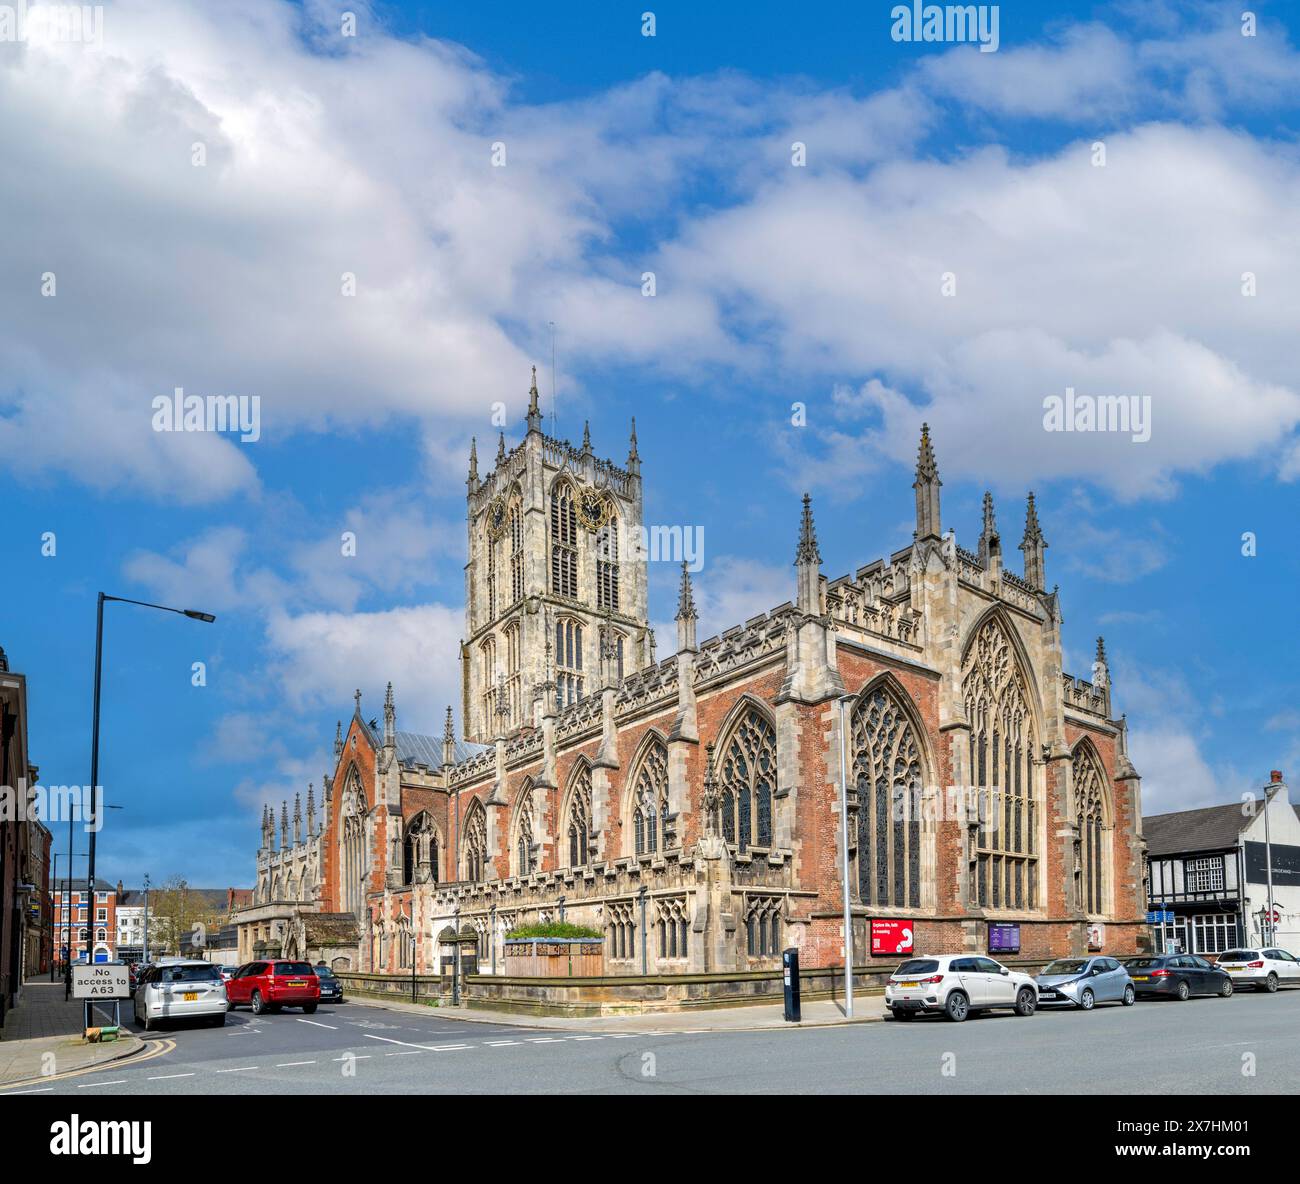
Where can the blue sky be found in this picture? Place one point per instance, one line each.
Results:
(775, 285)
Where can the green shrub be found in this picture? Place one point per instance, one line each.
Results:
(554, 929)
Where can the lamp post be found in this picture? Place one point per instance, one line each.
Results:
(145, 961)
(844, 837)
(194, 615)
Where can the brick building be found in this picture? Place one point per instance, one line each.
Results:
(18, 892)
(689, 808)
(89, 928)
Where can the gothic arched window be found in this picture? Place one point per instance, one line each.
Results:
(488, 665)
(607, 554)
(579, 823)
(1090, 803)
(995, 692)
(887, 773)
(568, 662)
(650, 801)
(515, 527)
(525, 861)
(749, 782)
(475, 842)
(564, 541)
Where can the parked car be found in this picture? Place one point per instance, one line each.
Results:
(331, 989)
(228, 972)
(179, 991)
(1263, 969)
(1085, 982)
(956, 985)
(1177, 975)
(273, 984)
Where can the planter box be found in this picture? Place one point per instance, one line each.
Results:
(555, 957)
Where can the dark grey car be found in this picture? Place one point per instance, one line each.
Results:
(1084, 982)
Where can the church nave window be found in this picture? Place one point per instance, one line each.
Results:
(749, 783)
(650, 803)
(579, 828)
(568, 662)
(607, 566)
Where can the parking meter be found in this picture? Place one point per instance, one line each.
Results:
(790, 975)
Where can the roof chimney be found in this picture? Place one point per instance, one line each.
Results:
(1275, 776)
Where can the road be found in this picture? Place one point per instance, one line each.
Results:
(1249, 1044)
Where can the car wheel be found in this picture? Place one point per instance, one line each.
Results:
(259, 1008)
(1026, 1002)
(1087, 1000)
(957, 1007)
(1270, 983)
(1184, 991)
(1225, 991)
(1130, 997)
(309, 1009)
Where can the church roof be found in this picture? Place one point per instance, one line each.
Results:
(415, 748)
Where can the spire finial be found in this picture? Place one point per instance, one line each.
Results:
(390, 717)
(685, 597)
(357, 698)
(472, 479)
(449, 728)
(586, 435)
(807, 551)
(1033, 545)
(1101, 650)
(990, 542)
(501, 447)
(534, 406)
(338, 739)
(927, 486)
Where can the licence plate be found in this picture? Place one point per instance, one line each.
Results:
(907, 984)
(1141, 978)
(295, 984)
(191, 996)
(1234, 969)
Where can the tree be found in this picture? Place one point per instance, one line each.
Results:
(178, 912)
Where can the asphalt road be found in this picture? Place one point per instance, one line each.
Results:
(1249, 1044)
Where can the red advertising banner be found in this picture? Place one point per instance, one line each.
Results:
(891, 937)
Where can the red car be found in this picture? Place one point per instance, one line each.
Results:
(268, 986)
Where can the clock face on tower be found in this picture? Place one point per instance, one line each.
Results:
(593, 510)
(496, 518)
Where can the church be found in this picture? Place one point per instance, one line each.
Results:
(688, 807)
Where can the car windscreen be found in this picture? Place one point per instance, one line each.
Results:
(1066, 966)
(1143, 963)
(292, 968)
(323, 972)
(1239, 956)
(918, 966)
(188, 974)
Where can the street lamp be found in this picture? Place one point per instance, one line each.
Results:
(194, 615)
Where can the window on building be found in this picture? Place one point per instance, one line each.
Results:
(525, 860)
(579, 823)
(1090, 822)
(475, 844)
(488, 683)
(887, 773)
(564, 542)
(650, 802)
(607, 553)
(513, 685)
(1002, 745)
(516, 531)
(749, 782)
(568, 662)
(1204, 874)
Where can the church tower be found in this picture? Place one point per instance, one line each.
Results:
(556, 576)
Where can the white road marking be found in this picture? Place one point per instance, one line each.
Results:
(543, 1040)
(245, 1069)
(293, 1064)
(586, 1038)
(316, 1024)
(48, 1090)
(169, 1076)
(96, 1084)
(391, 1040)
(356, 1056)
(502, 1043)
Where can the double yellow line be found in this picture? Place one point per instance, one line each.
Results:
(156, 1048)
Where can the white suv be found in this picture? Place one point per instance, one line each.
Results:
(1263, 969)
(957, 984)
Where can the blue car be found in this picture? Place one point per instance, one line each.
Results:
(1085, 982)
(331, 990)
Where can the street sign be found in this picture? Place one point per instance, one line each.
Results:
(101, 980)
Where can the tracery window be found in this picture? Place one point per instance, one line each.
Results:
(650, 802)
(492, 575)
(525, 860)
(488, 682)
(607, 565)
(671, 927)
(763, 927)
(749, 782)
(564, 542)
(475, 842)
(579, 825)
(568, 662)
(516, 532)
(887, 774)
(620, 928)
(1090, 801)
(513, 678)
(995, 692)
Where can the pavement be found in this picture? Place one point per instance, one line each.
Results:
(42, 1037)
(821, 1013)
(1248, 1044)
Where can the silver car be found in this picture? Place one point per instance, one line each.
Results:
(1085, 982)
